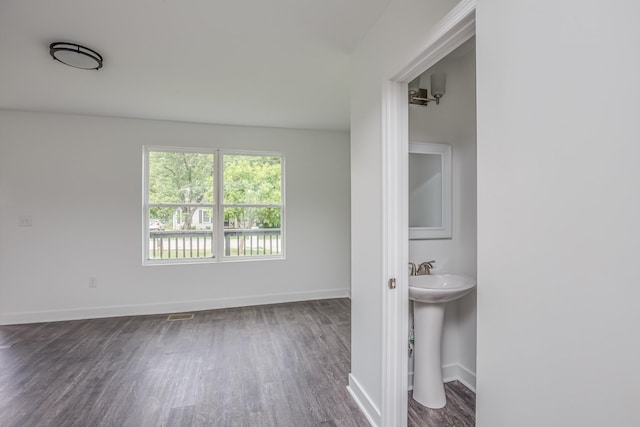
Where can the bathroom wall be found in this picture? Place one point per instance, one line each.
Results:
(80, 178)
(454, 122)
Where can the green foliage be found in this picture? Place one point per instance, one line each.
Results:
(188, 178)
(180, 177)
(252, 180)
(176, 177)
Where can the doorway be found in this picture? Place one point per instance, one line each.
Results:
(453, 30)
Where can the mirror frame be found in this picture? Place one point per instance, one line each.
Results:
(444, 231)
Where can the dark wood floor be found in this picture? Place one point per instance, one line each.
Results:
(459, 411)
(274, 365)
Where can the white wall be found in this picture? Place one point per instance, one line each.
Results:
(454, 122)
(558, 213)
(80, 179)
(396, 39)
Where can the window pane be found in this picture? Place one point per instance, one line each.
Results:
(180, 177)
(252, 232)
(180, 232)
(252, 179)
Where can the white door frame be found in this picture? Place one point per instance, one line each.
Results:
(454, 29)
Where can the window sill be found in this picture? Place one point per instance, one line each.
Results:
(196, 261)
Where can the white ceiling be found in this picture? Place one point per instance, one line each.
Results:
(282, 63)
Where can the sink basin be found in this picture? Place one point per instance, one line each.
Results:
(439, 288)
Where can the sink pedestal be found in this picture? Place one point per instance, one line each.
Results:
(429, 294)
(428, 389)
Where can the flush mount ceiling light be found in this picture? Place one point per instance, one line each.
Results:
(418, 96)
(74, 55)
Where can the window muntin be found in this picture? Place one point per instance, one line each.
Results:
(183, 211)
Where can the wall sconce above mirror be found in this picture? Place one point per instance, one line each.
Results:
(419, 96)
(429, 191)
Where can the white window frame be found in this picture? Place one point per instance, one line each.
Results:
(217, 223)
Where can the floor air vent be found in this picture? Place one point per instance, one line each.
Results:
(182, 316)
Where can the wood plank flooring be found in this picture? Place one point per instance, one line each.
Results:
(273, 365)
(459, 411)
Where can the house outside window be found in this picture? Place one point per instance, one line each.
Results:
(212, 205)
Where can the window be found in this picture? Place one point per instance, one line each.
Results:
(212, 205)
(205, 216)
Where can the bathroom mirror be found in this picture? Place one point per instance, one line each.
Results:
(429, 191)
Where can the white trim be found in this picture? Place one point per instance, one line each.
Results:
(458, 26)
(457, 372)
(145, 201)
(167, 307)
(395, 302)
(454, 29)
(364, 402)
(218, 191)
(453, 372)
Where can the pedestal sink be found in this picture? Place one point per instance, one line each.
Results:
(430, 294)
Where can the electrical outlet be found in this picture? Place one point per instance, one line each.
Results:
(25, 221)
(93, 282)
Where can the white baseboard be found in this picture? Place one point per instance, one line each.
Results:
(168, 307)
(457, 372)
(454, 372)
(460, 373)
(364, 402)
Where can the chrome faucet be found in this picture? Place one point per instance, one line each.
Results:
(425, 268)
(413, 269)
